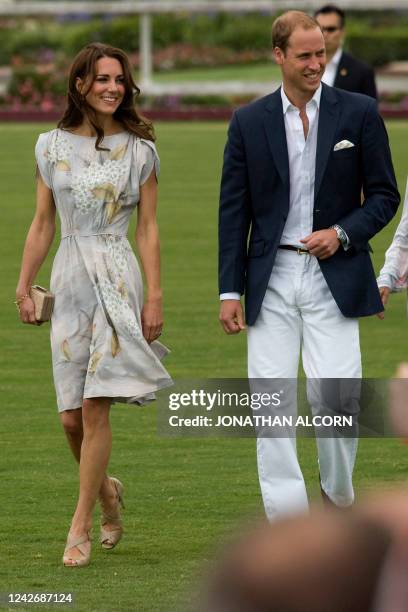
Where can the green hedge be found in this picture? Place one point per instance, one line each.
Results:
(221, 30)
(26, 44)
(372, 43)
(123, 33)
(379, 47)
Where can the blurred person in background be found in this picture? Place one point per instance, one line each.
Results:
(342, 69)
(394, 273)
(95, 169)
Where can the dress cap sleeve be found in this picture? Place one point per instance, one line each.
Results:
(41, 156)
(146, 159)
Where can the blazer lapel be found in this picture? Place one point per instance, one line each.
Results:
(328, 117)
(274, 124)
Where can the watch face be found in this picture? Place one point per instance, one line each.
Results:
(341, 235)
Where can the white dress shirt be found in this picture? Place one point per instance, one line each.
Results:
(302, 162)
(302, 166)
(330, 72)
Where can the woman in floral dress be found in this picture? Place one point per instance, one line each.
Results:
(393, 276)
(94, 169)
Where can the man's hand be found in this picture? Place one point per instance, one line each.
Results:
(322, 244)
(232, 316)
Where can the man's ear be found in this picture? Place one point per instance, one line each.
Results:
(278, 55)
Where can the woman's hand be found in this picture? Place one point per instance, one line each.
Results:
(152, 319)
(27, 312)
(384, 293)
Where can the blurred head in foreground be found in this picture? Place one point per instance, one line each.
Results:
(327, 562)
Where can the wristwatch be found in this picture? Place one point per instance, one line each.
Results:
(342, 236)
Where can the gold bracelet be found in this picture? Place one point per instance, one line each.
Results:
(21, 299)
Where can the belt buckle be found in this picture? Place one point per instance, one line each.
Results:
(300, 251)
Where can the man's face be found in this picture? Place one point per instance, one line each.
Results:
(304, 61)
(332, 31)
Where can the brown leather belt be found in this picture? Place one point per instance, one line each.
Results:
(289, 247)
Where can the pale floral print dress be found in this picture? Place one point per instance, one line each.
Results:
(98, 349)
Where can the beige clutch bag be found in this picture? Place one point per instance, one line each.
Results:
(43, 303)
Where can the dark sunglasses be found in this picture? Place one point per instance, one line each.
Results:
(330, 29)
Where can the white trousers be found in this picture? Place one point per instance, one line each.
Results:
(300, 317)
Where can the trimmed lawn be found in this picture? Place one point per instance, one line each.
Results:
(183, 496)
(264, 71)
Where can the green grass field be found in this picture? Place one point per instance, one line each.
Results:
(264, 71)
(183, 496)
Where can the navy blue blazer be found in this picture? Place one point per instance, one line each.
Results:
(354, 75)
(254, 200)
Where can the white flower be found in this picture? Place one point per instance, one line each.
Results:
(84, 185)
(60, 149)
(118, 309)
(118, 250)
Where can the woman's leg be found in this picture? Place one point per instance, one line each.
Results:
(72, 423)
(94, 459)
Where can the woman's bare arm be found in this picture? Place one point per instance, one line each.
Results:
(147, 238)
(37, 244)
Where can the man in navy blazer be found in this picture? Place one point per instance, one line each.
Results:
(294, 239)
(342, 69)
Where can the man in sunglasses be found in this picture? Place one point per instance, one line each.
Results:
(342, 69)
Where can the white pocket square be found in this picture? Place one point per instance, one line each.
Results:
(343, 144)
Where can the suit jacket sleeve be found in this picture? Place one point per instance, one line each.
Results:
(381, 197)
(234, 213)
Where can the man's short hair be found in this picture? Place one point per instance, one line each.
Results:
(332, 8)
(284, 26)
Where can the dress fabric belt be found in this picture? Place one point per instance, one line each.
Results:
(69, 233)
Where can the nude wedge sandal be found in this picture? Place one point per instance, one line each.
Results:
(77, 542)
(109, 538)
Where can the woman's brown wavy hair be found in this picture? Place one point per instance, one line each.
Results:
(77, 109)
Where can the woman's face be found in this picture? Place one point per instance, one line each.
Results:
(108, 89)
